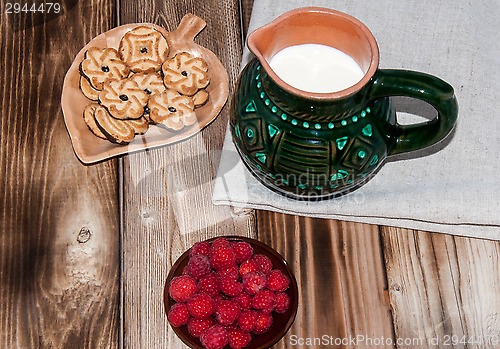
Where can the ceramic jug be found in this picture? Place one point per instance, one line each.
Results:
(310, 145)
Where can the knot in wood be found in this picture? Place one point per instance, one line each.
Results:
(84, 235)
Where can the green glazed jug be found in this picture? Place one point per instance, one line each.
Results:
(315, 145)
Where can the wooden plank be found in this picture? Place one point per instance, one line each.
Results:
(342, 282)
(58, 218)
(444, 290)
(246, 14)
(167, 192)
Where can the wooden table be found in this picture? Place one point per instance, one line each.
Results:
(84, 250)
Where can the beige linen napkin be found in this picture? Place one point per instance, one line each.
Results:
(453, 190)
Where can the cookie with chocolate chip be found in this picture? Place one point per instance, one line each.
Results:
(124, 99)
(151, 83)
(102, 64)
(185, 73)
(172, 110)
(143, 49)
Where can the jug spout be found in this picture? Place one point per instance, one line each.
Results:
(316, 25)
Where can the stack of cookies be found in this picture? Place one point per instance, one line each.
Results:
(140, 84)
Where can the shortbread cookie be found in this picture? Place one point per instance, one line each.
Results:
(172, 110)
(102, 64)
(151, 83)
(124, 99)
(116, 131)
(88, 116)
(185, 73)
(87, 89)
(140, 125)
(143, 49)
(200, 98)
(147, 111)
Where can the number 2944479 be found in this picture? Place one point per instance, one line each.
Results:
(21, 7)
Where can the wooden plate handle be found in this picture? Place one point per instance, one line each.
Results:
(189, 27)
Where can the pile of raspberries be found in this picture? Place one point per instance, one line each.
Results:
(227, 294)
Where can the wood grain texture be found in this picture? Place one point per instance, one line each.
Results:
(59, 234)
(167, 192)
(246, 13)
(58, 218)
(444, 290)
(341, 277)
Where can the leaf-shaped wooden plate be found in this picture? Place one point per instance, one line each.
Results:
(88, 147)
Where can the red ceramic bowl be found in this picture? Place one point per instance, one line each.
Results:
(281, 322)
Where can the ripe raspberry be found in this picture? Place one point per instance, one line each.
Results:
(222, 257)
(244, 300)
(277, 281)
(263, 262)
(198, 266)
(218, 298)
(227, 312)
(232, 327)
(243, 251)
(220, 242)
(216, 337)
(196, 327)
(248, 266)
(239, 339)
(178, 315)
(209, 284)
(254, 282)
(231, 272)
(264, 300)
(182, 288)
(230, 287)
(200, 248)
(248, 320)
(263, 323)
(201, 306)
(282, 302)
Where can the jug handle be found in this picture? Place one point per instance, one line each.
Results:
(428, 88)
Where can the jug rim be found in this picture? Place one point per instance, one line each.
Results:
(313, 10)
